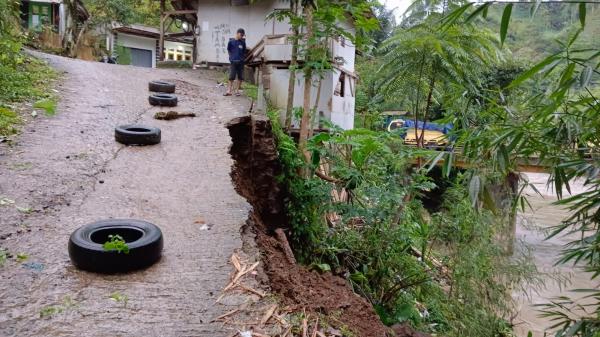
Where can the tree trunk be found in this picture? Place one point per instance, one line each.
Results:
(417, 98)
(161, 38)
(427, 107)
(315, 109)
(293, 63)
(306, 111)
(73, 51)
(67, 42)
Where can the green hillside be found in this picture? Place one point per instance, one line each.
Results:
(533, 38)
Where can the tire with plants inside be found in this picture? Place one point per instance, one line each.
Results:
(137, 135)
(163, 100)
(161, 86)
(141, 244)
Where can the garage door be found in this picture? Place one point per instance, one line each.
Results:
(141, 57)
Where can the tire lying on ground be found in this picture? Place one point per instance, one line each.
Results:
(163, 100)
(137, 135)
(145, 242)
(161, 86)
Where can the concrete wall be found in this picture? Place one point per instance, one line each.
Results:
(218, 21)
(345, 49)
(337, 109)
(342, 108)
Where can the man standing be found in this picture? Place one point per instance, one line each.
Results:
(237, 53)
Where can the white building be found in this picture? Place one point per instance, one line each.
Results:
(142, 43)
(217, 21)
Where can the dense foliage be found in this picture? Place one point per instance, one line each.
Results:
(361, 207)
(21, 77)
(552, 114)
(535, 38)
(442, 271)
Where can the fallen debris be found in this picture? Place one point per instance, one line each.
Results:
(251, 290)
(241, 269)
(170, 115)
(234, 311)
(285, 245)
(268, 314)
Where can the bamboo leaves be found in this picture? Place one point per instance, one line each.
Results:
(550, 60)
(585, 76)
(505, 21)
(481, 10)
(582, 13)
(474, 189)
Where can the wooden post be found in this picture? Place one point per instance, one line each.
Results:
(161, 41)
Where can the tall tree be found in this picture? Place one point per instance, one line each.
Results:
(426, 57)
(101, 13)
(322, 22)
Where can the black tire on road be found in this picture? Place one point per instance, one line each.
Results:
(145, 242)
(163, 100)
(161, 86)
(137, 135)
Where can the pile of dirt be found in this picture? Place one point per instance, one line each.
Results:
(255, 171)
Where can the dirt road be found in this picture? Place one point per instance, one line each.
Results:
(67, 170)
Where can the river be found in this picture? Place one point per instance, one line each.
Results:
(532, 227)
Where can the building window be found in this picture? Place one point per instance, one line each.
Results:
(340, 88)
(178, 54)
(40, 15)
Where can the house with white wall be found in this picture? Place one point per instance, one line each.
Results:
(142, 43)
(217, 21)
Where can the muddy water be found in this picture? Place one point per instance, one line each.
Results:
(532, 229)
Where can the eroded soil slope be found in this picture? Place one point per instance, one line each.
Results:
(255, 171)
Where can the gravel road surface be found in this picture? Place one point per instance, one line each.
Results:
(66, 171)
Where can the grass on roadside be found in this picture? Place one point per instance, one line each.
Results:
(250, 90)
(8, 122)
(30, 80)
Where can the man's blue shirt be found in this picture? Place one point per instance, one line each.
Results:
(237, 50)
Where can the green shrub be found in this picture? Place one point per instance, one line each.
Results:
(307, 197)
(175, 64)
(443, 273)
(116, 243)
(8, 121)
(123, 55)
